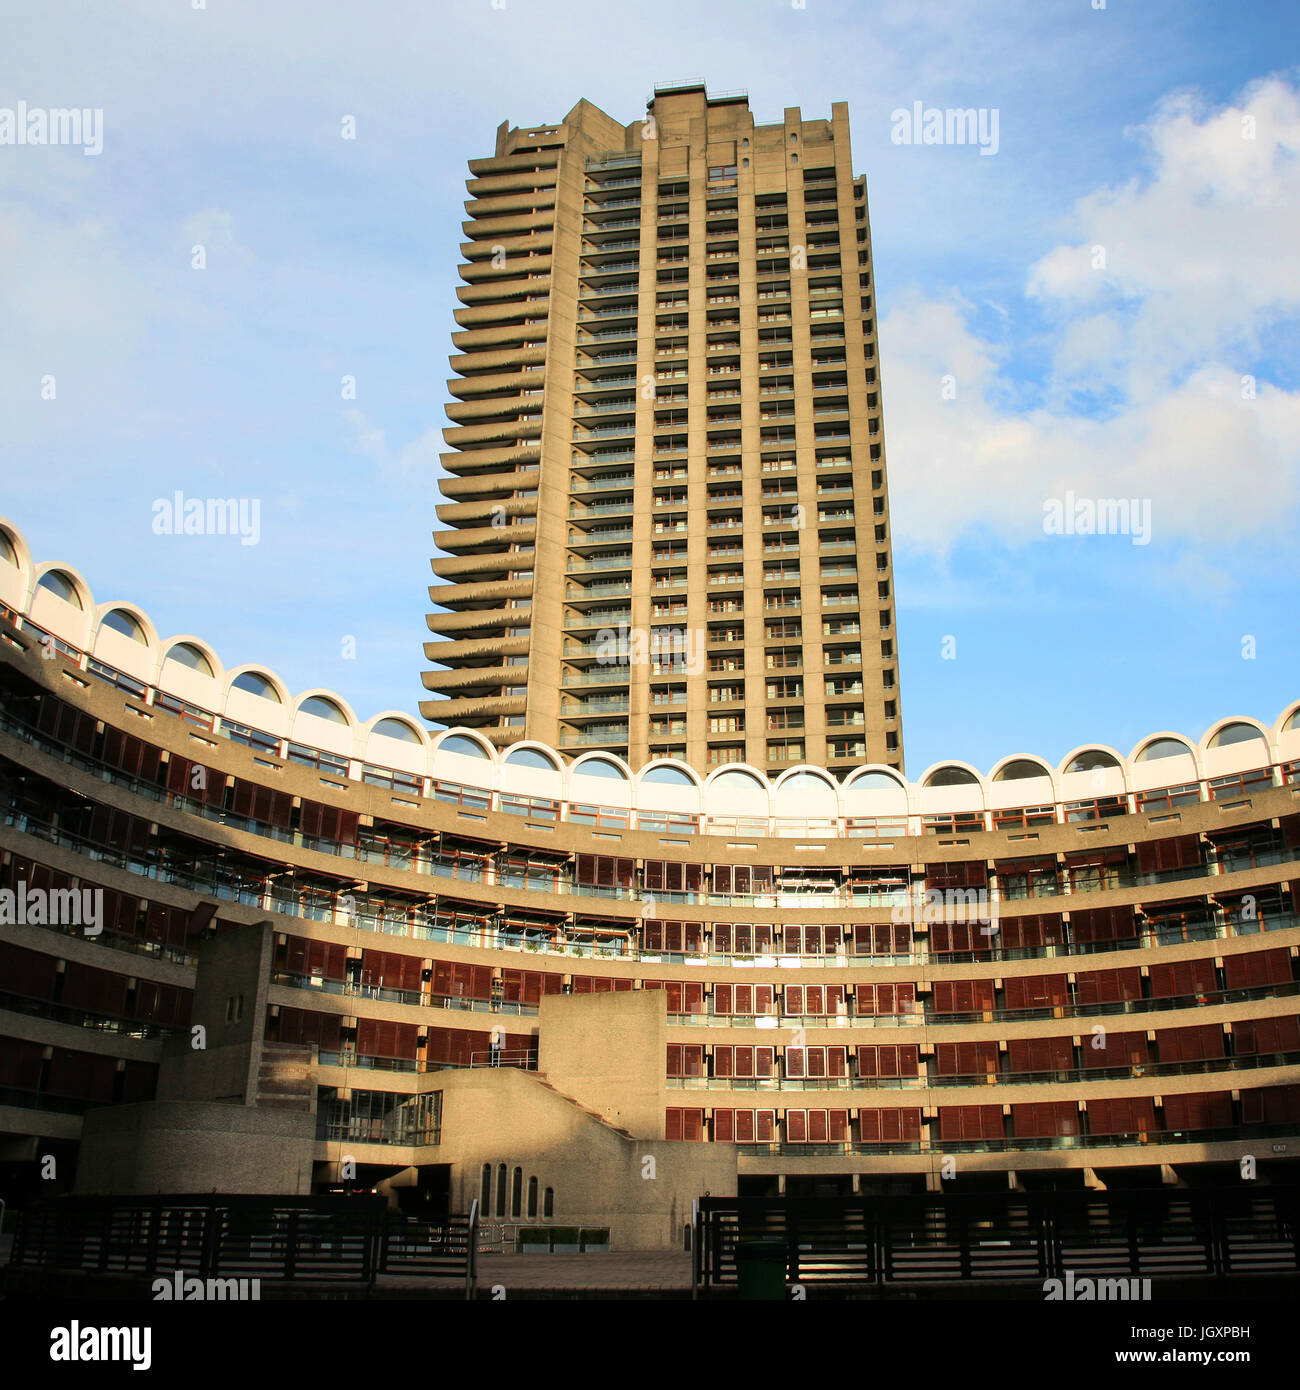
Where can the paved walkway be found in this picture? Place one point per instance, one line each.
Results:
(634, 1269)
(642, 1271)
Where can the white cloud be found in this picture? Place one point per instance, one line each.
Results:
(1202, 260)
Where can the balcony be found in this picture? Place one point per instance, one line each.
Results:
(612, 269)
(601, 675)
(621, 481)
(601, 562)
(598, 617)
(579, 512)
(618, 589)
(601, 738)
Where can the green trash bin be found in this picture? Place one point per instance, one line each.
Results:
(760, 1269)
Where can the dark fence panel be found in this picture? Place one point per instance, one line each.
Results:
(312, 1239)
(1000, 1238)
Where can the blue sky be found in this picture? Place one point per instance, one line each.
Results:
(1168, 134)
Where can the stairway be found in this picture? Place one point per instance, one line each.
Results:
(541, 1080)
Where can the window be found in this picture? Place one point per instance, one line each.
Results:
(1097, 808)
(255, 684)
(1164, 798)
(396, 728)
(185, 654)
(121, 621)
(661, 875)
(58, 584)
(323, 709)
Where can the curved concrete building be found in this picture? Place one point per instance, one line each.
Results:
(252, 941)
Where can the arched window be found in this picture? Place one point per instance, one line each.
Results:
(58, 583)
(323, 709)
(1236, 733)
(951, 777)
(875, 782)
(1163, 748)
(186, 654)
(466, 747)
(740, 782)
(485, 1190)
(501, 1189)
(548, 1203)
(7, 552)
(396, 728)
(1020, 770)
(668, 776)
(530, 757)
(806, 782)
(600, 767)
(1091, 759)
(532, 1196)
(517, 1192)
(255, 684)
(121, 621)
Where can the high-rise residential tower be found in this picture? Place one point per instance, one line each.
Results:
(668, 522)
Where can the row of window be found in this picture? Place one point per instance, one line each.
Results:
(1101, 1050)
(509, 1194)
(1133, 1117)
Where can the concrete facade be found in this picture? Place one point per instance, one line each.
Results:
(668, 509)
(741, 979)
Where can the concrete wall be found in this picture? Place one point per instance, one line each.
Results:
(641, 1188)
(173, 1146)
(608, 1052)
(230, 995)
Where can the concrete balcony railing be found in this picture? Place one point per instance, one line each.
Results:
(503, 311)
(470, 538)
(474, 486)
(497, 409)
(493, 513)
(510, 202)
(508, 283)
(481, 254)
(508, 360)
(468, 677)
(493, 337)
(496, 228)
(518, 179)
(499, 433)
(482, 647)
(512, 163)
(453, 711)
(464, 462)
(490, 620)
(453, 595)
(457, 568)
